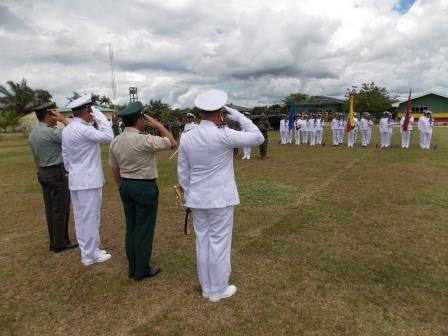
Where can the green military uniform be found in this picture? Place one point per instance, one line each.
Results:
(264, 127)
(134, 154)
(46, 148)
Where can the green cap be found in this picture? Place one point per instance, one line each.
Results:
(131, 109)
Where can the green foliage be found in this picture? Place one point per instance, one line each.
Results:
(20, 98)
(156, 108)
(296, 97)
(9, 119)
(373, 99)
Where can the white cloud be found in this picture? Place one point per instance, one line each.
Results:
(259, 51)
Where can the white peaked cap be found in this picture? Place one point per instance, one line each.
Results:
(211, 100)
(427, 111)
(83, 100)
(191, 115)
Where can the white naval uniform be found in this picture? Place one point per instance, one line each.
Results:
(298, 130)
(189, 126)
(284, 130)
(205, 171)
(312, 131)
(383, 127)
(364, 128)
(390, 128)
(425, 125)
(369, 131)
(356, 129)
(341, 131)
(305, 131)
(334, 127)
(319, 131)
(81, 152)
(406, 135)
(350, 136)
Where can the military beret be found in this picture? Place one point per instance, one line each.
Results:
(131, 110)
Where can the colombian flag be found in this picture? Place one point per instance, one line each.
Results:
(351, 112)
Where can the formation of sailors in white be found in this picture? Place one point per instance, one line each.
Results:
(309, 130)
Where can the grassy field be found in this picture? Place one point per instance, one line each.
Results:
(327, 241)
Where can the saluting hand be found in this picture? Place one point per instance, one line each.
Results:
(152, 121)
(59, 117)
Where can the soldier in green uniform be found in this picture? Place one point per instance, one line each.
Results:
(46, 147)
(134, 167)
(264, 127)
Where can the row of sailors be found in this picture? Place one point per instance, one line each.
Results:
(312, 128)
(309, 129)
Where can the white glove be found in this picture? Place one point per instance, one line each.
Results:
(233, 114)
(95, 111)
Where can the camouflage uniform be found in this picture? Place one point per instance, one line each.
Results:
(264, 127)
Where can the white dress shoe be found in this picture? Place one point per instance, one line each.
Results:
(205, 295)
(230, 291)
(102, 258)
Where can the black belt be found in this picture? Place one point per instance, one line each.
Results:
(131, 179)
(54, 166)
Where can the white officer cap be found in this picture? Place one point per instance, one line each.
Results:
(211, 100)
(427, 112)
(80, 102)
(191, 115)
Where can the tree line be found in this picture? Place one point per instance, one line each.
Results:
(17, 99)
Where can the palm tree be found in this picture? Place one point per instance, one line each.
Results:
(104, 100)
(18, 98)
(9, 119)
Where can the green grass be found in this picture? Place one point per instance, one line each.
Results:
(327, 241)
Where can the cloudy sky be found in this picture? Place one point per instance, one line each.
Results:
(257, 50)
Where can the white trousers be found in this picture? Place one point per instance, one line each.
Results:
(246, 152)
(335, 137)
(405, 139)
(351, 138)
(213, 228)
(283, 137)
(365, 137)
(305, 137)
(383, 136)
(86, 211)
(312, 136)
(341, 136)
(298, 134)
(425, 140)
(319, 134)
(369, 136)
(290, 136)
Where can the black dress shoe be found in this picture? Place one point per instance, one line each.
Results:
(66, 247)
(153, 272)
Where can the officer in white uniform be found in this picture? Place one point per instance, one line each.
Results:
(364, 128)
(247, 150)
(406, 134)
(425, 125)
(284, 130)
(81, 152)
(341, 128)
(350, 134)
(312, 130)
(305, 129)
(369, 130)
(319, 129)
(297, 129)
(190, 124)
(205, 171)
(384, 129)
(335, 129)
(355, 135)
(390, 128)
